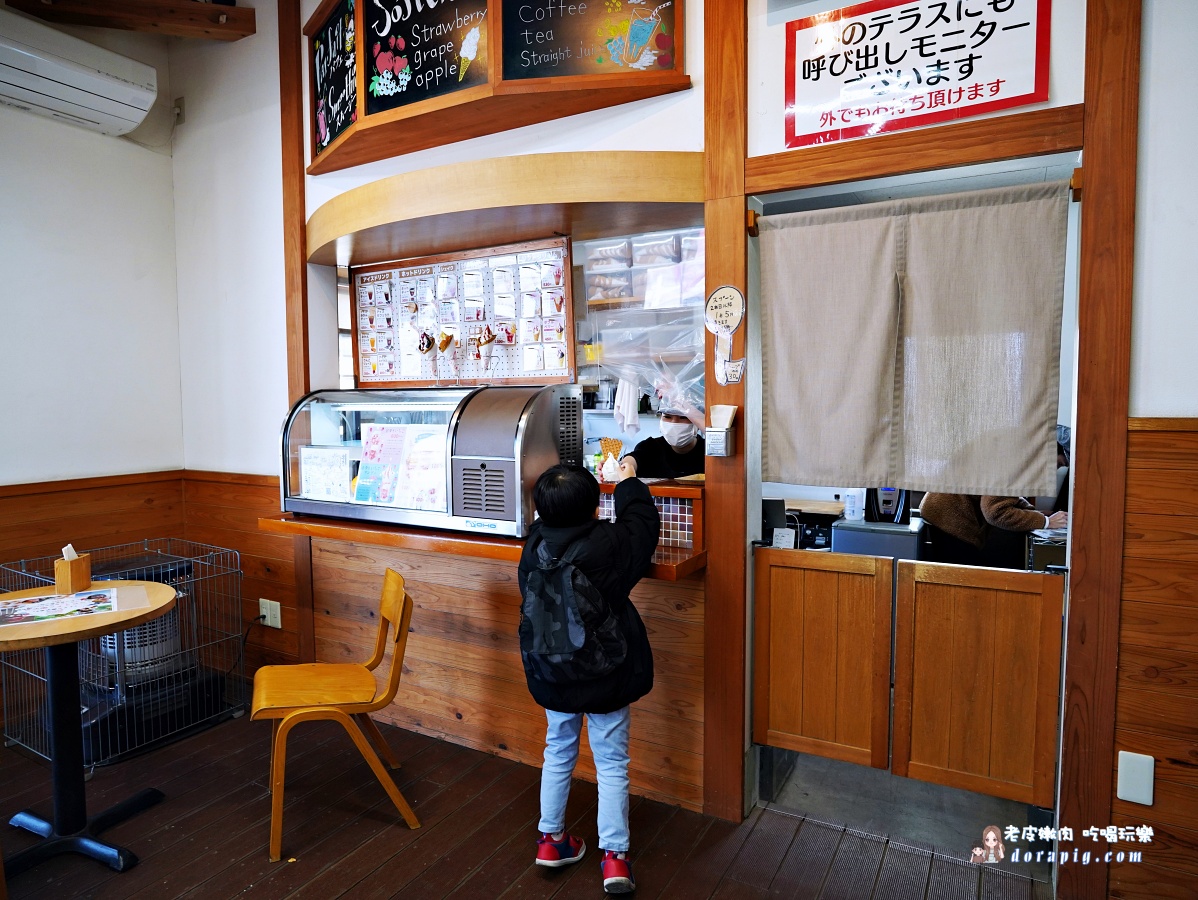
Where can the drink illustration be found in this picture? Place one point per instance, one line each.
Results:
(641, 27)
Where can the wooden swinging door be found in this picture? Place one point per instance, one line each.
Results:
(977, 679)
(821, 657)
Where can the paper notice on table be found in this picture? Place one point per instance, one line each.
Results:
(46, 607)
(131, 596)
(784, 538)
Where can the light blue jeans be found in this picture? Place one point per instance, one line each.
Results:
(608, 734)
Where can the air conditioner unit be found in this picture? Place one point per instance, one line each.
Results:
(49, 73)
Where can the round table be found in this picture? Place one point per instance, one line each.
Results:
(71, 831)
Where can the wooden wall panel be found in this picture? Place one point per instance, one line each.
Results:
(39, 519)
(1156, 711)
(223, 510)
(821, 658)
(977, 670)
(1136, 881)
(463, 680)
(1171, 847)
(208, 507)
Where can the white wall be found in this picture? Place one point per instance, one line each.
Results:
(767, 63)
(229, 238)
(672, 122)
(88, 319)
(1164, 380)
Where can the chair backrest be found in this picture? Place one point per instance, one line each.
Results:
(395, 610)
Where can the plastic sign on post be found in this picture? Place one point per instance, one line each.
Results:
(887, 65)
(722, 314)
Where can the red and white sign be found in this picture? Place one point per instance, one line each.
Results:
(886, 65)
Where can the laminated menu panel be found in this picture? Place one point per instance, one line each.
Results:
(821, 654)
(977, 676)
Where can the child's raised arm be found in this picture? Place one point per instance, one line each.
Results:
(638, 526)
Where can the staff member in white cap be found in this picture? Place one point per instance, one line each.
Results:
(679, 451)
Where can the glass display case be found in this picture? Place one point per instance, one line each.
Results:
(638, 319)
(457, 458)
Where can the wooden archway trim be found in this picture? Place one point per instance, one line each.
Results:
(507, 199)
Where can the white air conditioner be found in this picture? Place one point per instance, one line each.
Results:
(49, 73)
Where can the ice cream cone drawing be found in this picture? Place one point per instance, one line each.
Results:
(469, 51)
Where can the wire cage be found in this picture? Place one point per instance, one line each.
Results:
(149, 684)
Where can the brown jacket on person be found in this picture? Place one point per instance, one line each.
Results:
(968, 516)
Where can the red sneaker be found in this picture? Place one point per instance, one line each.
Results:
(565, 852)
(617, 873)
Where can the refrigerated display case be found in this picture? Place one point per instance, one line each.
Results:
(463, 459)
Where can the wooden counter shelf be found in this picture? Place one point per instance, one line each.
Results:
(669, 563)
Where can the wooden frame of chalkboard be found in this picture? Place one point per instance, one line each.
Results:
(495, 315)
(334, 76)
(491, 105)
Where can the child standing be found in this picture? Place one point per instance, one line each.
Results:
(611, 557)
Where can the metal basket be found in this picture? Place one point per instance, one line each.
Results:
(150, 683)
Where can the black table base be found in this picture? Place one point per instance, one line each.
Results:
(71, 830)
(85, 841)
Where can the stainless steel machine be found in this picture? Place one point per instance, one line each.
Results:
(457, 458)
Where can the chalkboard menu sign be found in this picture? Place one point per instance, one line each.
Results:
(418, 50)
(334, 76)
(543, 38)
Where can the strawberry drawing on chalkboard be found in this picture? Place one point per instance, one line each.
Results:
(392, 72)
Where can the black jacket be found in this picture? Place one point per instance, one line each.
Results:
(616, 556)
(655, 458)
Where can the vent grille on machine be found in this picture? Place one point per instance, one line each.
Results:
(569, 430)
(484, 492)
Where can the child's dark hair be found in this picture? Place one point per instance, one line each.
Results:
(566, 496)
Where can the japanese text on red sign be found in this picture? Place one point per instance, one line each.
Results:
(883, 66)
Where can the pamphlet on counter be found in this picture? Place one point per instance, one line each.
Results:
(45, 607)
(1056, 535)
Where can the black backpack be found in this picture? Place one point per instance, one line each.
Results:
(567, 630)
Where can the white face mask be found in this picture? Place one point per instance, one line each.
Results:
(678, 434)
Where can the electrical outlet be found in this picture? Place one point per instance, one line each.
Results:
(271, 612)
(180, 111)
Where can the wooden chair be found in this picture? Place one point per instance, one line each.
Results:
(309, 691)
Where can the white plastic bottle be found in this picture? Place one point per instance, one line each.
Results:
(854, 504)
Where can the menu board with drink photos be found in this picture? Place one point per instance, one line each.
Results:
(499, 315)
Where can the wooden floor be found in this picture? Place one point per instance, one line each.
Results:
(342, 838)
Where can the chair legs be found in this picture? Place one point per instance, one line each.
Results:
(376, 738)
(376, 766)
(278, 762)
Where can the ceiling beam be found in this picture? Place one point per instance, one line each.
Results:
(178, 18)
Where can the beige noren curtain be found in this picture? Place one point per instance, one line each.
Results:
(915, 343)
